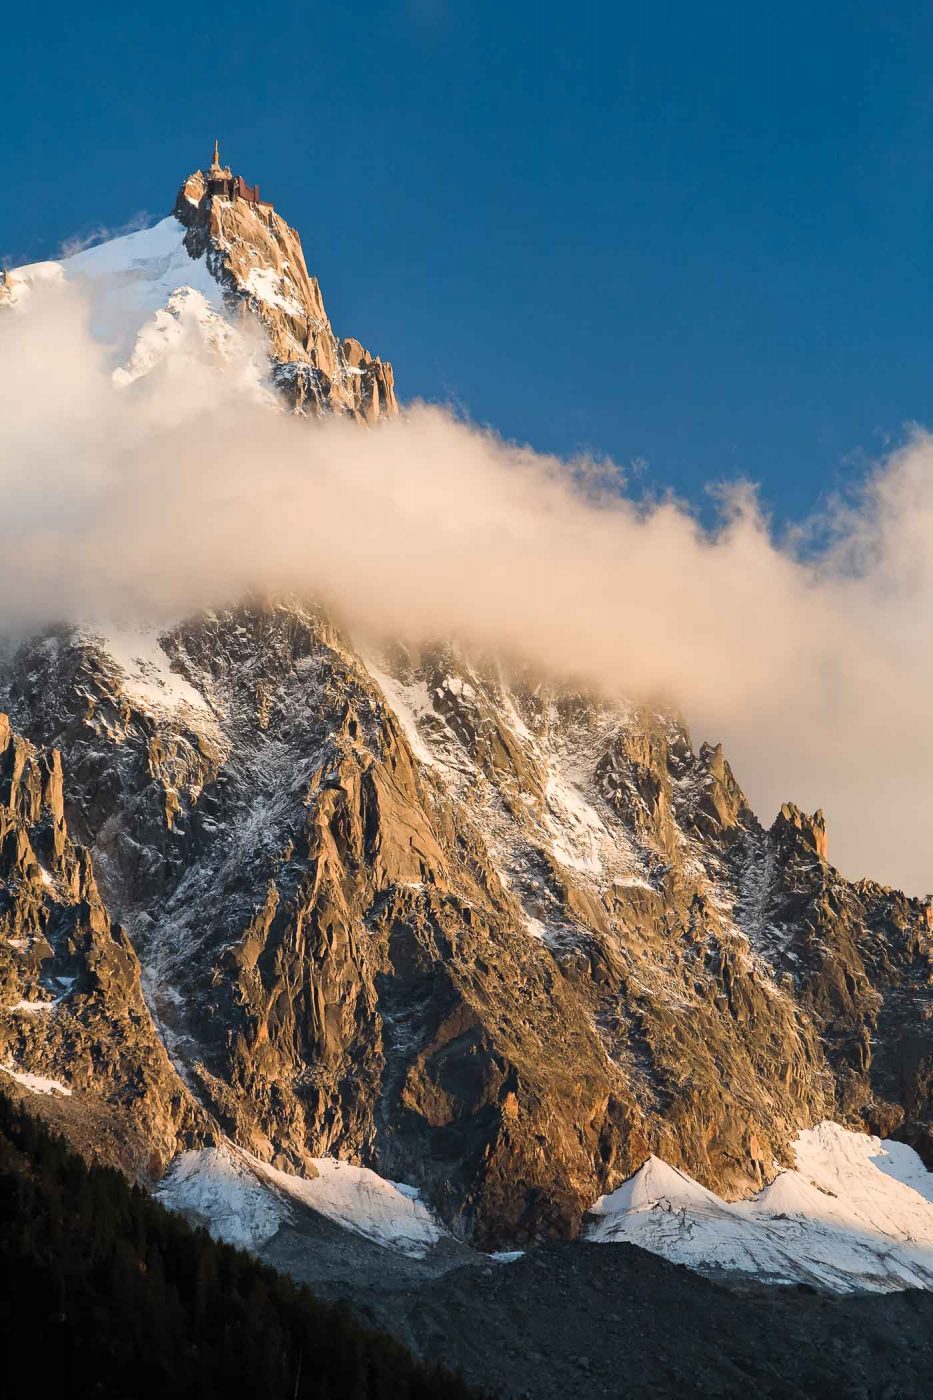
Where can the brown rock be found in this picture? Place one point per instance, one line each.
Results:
(259, 262)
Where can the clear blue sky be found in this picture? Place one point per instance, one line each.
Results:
(697, 235)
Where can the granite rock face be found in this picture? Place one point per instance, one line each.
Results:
(496, 940)
(73, 1021)
(258, 261)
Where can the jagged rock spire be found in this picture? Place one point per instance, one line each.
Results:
(258, 260)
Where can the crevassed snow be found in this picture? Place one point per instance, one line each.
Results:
(878, 1181)
(37, 1083)
(221, 1189)
(244, 1201)
(840, 1221)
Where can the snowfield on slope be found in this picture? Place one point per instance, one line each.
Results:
(128, 278)
(146, 670)
(37, 1083)
(857, 1214)
(244, 1201)
(151, 304)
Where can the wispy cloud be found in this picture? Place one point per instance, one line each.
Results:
(101, 234)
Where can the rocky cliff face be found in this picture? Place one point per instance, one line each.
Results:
(258, 262)
(73, 1021)
(498, 941)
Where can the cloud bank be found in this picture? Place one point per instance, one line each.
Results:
(182, 490)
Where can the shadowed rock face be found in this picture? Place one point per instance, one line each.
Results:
(489, 937)
(258, 261)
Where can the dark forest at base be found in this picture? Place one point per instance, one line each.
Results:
(105, 1293)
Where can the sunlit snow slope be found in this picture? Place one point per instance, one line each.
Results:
(244, 1201)
(148, 299)
(857, 1214)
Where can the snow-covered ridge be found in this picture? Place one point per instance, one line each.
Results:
(149, 298)
(857, 1214)
(187, 325)
(128, 277)
(244, 1201)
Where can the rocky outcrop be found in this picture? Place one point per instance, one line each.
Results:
(495, 939)
(258, 261)
(859, 958)
(73, 1021)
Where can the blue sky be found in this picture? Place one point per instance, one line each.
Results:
(693, 237)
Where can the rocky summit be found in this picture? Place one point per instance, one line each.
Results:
(257, 260)
(271, 893)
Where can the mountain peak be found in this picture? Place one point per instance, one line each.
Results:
(219, 182)
(259, 263)
(232, 247)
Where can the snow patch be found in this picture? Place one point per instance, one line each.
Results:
(147, 672)
(578, 834)
(37, 1083)
(267, 286)
(407, 703)
(34, 1008)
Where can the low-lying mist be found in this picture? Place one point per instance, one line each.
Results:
(183, 490)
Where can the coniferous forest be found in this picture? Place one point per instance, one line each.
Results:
(105, 1293)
